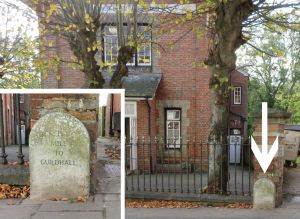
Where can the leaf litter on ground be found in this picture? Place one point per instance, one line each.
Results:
(9, 191)
(180, 204)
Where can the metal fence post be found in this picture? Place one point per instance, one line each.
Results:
(20, 154)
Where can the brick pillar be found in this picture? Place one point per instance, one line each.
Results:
(82, 106)
(272, 180)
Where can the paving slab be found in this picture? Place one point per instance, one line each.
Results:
(109, 185)
(10, 202)
(212, 213)
(18, 212)
(113, 213)
(291, 181)
(111, 197)
(67, 215)
(109, 177)
(63, 207)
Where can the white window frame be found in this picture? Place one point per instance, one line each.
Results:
(237, 91)
(169, 144)
(134, 114)
(134, 62)
(105, 51)
(138, 55)
(111, 56)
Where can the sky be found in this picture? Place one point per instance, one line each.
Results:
(16, 19)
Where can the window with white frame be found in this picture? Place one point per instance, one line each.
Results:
(111, 47)
(130, 109)
(144, 47)
(173, 120)
(237, 95)
(144, 55)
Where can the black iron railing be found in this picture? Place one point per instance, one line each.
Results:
(17, 126)
(159, 167)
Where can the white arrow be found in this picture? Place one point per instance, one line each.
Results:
(264, 157)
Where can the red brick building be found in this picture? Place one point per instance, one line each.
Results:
(166, 95)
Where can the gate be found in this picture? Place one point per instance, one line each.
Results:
(189, 170)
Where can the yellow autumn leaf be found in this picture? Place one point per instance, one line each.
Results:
(189, 16)
(88, 19)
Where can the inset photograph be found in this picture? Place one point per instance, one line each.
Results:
(60, 155)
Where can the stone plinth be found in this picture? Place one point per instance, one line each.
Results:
(274, 174)
(59, 154)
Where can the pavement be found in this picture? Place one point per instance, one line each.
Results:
(105, 204)
(289, 210)
(291, 181)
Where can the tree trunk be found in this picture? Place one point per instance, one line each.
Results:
(228, 37)
(124, 56)
(218, 154)
(84, 52)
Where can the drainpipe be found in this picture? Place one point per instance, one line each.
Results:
(111, 115)
(149, 132)
(229, 108)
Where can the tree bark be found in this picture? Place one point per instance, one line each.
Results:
(228, 37)
(83, 50)
(124, 56)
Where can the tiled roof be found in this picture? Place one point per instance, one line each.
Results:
(141, 85)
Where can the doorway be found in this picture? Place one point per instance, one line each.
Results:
(131, 135)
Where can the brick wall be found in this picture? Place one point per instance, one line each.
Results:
(182, 86)
(82, 106)
(239, 110)
(65, 75)
(146, 112)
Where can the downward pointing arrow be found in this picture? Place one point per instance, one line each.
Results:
(264, 157)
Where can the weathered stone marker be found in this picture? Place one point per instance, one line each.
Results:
(59, 154)
(264, 194)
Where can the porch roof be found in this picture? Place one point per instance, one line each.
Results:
(141, 85)
(292, 127)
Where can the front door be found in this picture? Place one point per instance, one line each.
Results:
(131, 135)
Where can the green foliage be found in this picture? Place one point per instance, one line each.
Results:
(19, 50)
(274, 72)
